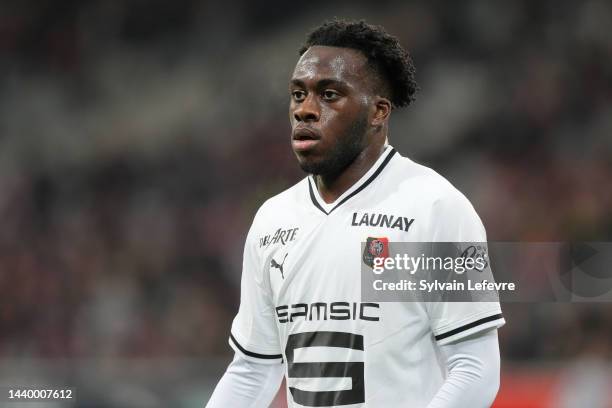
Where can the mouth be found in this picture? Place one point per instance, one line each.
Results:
(304, 139)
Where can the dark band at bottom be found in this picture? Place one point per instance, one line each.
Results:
(468, 326)
(251, 354)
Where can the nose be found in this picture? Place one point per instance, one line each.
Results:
(307, 110)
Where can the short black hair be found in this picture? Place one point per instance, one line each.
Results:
(383, 51)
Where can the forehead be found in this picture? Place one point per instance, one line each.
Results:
(341, 64)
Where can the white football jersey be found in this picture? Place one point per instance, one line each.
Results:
(301, 289)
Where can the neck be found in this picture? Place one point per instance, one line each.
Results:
(333, 186)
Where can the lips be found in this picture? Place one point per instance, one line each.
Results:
(304, 139)
(303, 133)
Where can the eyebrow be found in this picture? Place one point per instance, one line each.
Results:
(321, 83)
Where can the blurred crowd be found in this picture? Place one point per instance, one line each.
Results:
(137, 140)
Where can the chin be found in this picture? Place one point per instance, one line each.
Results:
(319, 167)
(307, 163)
(309, 167)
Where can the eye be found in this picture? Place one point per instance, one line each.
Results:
(330, 95)
(298, 96)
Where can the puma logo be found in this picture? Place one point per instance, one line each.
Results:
(275, 264)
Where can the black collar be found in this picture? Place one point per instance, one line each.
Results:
(389, 154)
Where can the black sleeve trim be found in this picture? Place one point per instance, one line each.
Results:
(251, 354)
(468, 326)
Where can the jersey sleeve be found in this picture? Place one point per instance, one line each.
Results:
(254, 334)
(455, 220)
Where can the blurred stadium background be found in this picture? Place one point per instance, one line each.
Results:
(137, 139)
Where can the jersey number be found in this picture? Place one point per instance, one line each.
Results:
(354, 370)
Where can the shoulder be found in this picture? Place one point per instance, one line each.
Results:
(445, 212)
(282, 206)
(431, 188)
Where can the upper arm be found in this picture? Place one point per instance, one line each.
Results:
(247, 384)
(473, 372)
(454, 220)
(254, 333)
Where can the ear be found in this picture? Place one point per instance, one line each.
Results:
(382, 111)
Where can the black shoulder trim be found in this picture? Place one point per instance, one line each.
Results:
(468, 326)
(380, 168)
(251, 354)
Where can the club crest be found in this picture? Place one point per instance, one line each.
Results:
(375, 248)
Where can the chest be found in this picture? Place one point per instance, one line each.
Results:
(320, 257)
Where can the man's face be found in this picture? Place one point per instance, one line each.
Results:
(329, 110)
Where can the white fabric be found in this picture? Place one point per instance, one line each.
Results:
(254, 328)
(472, 379)
(247, 385)
(301, 289)
(473, 372)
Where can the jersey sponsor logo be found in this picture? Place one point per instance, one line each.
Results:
(328, 311)
(280, 236)
(381, 220)
(375, 248)
(279, 266)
